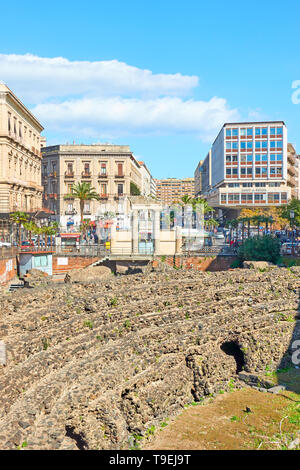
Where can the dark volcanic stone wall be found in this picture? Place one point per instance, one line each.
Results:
(90, 365)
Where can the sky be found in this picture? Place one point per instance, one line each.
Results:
(162, 76)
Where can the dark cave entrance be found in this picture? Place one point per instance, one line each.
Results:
(232, 349)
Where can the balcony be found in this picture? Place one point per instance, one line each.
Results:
(291, 158)
(69, 174)
(53, 174)
(103, 196)
(52, 196)
(116, 198)
(86, 174)
(100, 175)
(87, 212)
(120, 176)
(71, 212)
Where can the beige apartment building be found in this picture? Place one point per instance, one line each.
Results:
(171, 190)
(110, 169)
(20, 156)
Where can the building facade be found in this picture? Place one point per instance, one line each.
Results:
(250, 164)
(20, 156)
(171, 190)
(145, 179)
(110, 169)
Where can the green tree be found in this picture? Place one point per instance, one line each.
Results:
(134, 189)
(84, 192)
(19, 218)
(294, 206)
(265, 248)
(30, 226)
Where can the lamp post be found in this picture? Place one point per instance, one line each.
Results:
(292, 216)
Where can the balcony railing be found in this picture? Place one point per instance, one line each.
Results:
(118, 196)
(103, 196)
(86, 174)
(120, 175)
(101, 175)
(69, 174)
(71, 212)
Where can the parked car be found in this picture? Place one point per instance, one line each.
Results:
(288, 248)
(27, 243)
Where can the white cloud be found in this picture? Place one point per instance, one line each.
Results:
(120, 116)
(111, 99)
(39, 78)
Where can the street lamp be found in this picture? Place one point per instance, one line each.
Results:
(292, 216)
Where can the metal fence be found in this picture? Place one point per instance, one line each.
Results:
(221, 250)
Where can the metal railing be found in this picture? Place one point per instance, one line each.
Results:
(224, 250)
(8, 252)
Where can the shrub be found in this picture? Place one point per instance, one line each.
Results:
(266, 248)
(236, 264)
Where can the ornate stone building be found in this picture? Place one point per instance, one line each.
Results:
(110, 169)
(20, 156)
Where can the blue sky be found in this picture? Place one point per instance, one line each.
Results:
(160, 76)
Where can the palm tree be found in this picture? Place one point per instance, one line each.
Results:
(30, 227)
(210, 223)
(19, 218)
(84, 192)
(243, 220)
(258, 220)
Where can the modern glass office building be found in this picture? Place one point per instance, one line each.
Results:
(251, 164)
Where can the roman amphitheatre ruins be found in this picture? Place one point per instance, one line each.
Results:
(94, 363)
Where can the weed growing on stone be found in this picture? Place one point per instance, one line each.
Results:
(113, 301)
(88, 323)
(46, 344)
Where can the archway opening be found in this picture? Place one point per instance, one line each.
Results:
(232, 349)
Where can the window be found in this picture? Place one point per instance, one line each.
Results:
(228, 132)
(249, 132)
(223, 198)
(86, 207)
(249, 158)
(264, 131)
(279, 131)
(228, 145)
(87, 168)
(103, 189)
(257, 131)
(249, 145)
(234, 132)
(103, 168)
(70, 207)
(70, 168)
(233, 185)
(120, 169)
(243, 145)
(40, 261)
(242, 132)
(120, 189)
(247, 185)
(235, 145)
